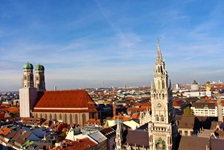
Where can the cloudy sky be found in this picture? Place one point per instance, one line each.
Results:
(83, 43)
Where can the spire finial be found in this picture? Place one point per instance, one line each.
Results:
(159, 54)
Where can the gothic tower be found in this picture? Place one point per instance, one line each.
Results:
(118, 138)
(39, 78)
(160, 128)
(27, 80)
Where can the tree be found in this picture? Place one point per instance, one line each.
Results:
(15, 113)
(187, 111)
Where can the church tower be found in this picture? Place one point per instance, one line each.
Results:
(27, 94)
(160, 128)
(39, 78)
(27, 80)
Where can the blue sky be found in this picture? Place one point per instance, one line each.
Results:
(83, 43)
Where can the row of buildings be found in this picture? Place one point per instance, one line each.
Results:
(151, 119)
(76, 106)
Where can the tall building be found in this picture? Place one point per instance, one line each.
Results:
(39, 78)
(159, 131)
(27, 94)
(160, 128)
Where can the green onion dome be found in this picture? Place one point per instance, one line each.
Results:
(28, 66)
(39, 67)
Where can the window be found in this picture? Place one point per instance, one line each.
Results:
(159, 85)
(180, 131)
(71, 118)
(76, 119)
(163, 84)
(83, 119)
(162, 118)
(157, 118)
(66, 121)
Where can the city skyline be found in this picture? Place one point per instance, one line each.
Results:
(85, 43)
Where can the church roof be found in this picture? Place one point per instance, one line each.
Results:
(64, 101)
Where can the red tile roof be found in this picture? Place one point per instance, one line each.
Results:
(70, 100)
(121, 117)
(135, 116)
(178, 103)
(4, 131)
(80, 144)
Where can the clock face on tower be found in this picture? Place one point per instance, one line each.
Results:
(159, 105)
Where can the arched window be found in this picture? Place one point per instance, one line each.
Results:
(76, 119)
(66, 121)
(36, 115)
(158, 84)
(55, 116)
(161, 69)
(157, 118)
(45, 116)
(71, 118)
(162, 118)
(163, 84)
(41, 115)
(60, 117)
(50, 117)
(83, 119)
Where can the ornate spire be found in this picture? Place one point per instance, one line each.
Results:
(170, 85)
(159, 54)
